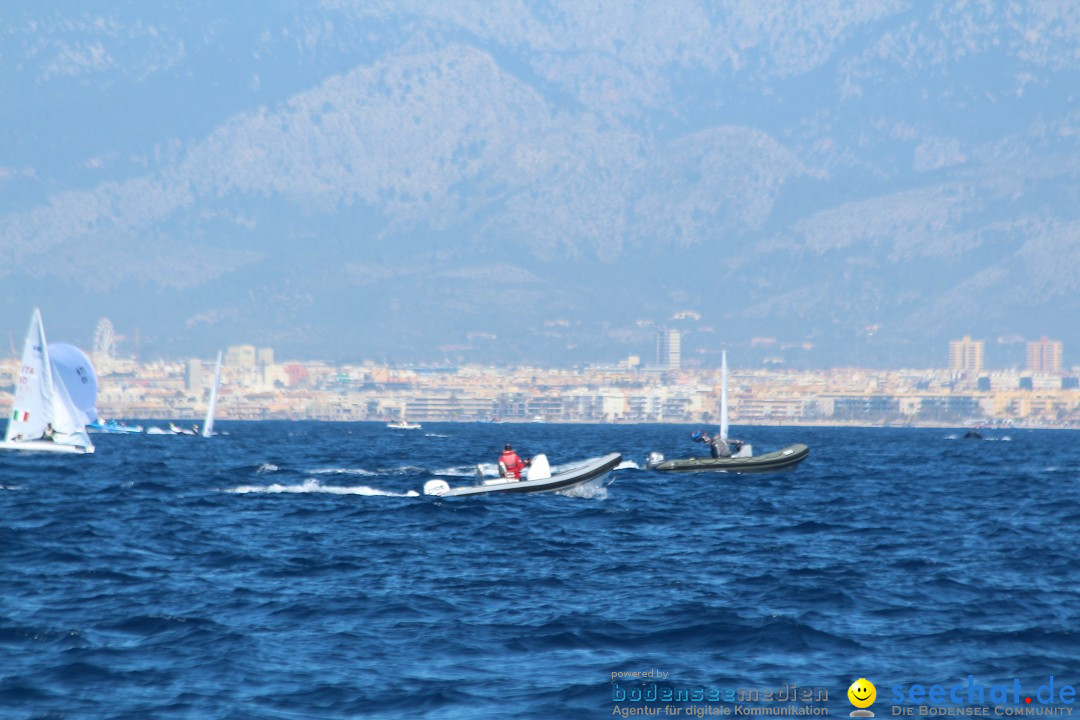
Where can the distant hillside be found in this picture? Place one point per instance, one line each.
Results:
(406, 180)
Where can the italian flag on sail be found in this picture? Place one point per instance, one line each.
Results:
(15, 416)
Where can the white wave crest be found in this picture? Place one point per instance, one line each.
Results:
(312, 486)
(405, 470)
(267, 468)
(628, 465)
(590, 490)
(341, 471)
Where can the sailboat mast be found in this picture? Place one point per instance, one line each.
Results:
(723, 396)
(211, 406)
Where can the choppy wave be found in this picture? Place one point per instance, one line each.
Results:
(341, 471)
(591, 490)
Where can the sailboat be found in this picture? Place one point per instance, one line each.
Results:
(208, 424)
(55, 398)
(742, 459)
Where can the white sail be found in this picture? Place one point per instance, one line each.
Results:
(723, 396)
(43, 416)
(69, 423)
(72, 368)
(32, 412)
(208, 425)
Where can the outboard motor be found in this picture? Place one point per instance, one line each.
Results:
(436, 487)
(745, 450)
(655, 459)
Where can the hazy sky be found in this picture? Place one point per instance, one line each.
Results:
(549, 182)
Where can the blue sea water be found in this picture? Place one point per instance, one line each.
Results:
(290, 570)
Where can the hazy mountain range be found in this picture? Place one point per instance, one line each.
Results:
(544, 181)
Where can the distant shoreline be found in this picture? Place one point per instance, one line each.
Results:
(631, 423)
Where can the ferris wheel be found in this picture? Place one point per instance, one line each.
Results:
(104, 339)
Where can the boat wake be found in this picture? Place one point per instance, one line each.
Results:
(1002, 438)
(628, 465)
(489, 470)
(313, 486)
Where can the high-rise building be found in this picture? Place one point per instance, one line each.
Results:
(966, 355)
(1044, 356)
(240, 356)
(193, 376)
(669, 349)
(248, 356)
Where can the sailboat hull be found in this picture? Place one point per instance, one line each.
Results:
(46, 446)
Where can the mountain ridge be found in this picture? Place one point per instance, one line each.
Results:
(396, 178)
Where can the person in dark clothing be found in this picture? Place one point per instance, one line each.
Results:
(718, 447)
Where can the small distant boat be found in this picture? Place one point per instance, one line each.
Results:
(177, 430)
(403, 425)
(538, 479)
(784, 459)
(114, 427)
(54, 402)
(208, 424)
(742, 461)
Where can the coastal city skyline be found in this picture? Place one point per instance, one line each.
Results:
(260, 385)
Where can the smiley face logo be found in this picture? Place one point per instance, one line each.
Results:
(862, 694)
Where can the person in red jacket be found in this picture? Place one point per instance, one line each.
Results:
(510, 465)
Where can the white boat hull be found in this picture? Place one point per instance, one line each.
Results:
(46, 446)
(593, 470)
